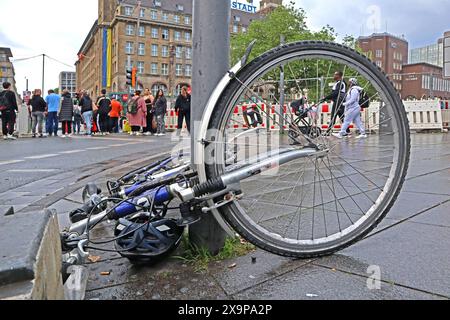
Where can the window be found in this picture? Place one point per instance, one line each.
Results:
(154, 15)
(379, 54)
(165, 69)
(154, 50)
(154, 68)
(180, 7)
(179, 70)
(237, 19)
(165, 34)
(129, 30)
(188, 53)
(128, 11)
(188, 70)
(244, 29)
(158, 87)
(142, 31)
(140, 67)
(142, 13)
(155, 33)
(165, 17)
(177, 35)
(130, 64)
(187, 20)
(235, 29)
(176, 19)
(187, 36)
(129, 47)
(141, 49)
(165, 51)
(179, 52)
(379, 64)
(157, 3)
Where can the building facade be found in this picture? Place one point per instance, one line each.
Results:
(7, 73)
(389, 52)
(424, 81)
(153, 35)
(68, 80)
(432, 54)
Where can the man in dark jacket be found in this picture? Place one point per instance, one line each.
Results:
(9, 113)
(183, 107)
(337, 95)
(38, 107)
(104, 108)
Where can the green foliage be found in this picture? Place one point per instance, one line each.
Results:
(285, 20)
(200, 258)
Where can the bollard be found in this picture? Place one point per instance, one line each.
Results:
(211, 61)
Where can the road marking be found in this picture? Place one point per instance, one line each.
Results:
(72, 151)
(98, 148)
(32, 170)
(44, 156)
(10, 162)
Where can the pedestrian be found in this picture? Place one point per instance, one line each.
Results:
(53, 101)
(65, 114)
(183, 107)
(149, 100)
(38, 107)
(137, 114)
(8, 108)
(104, 108)
(114, 115)
(87, 112)
(160, 113)
(77, 117)
(338, 97)
(352, 111)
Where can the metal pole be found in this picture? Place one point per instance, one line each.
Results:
(282, 93)
(211, 61)
(43, 74)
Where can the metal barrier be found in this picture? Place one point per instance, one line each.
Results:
(422, 115)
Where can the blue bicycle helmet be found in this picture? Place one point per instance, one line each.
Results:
(147, 242)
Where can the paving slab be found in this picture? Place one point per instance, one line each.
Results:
(439, 216)
(316, 283)
(246, 274)
(411, 254)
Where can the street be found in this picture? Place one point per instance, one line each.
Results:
(409, 250)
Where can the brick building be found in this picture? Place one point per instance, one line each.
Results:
(423, 81)
(389, 52)
(7, 73)
(155, 37)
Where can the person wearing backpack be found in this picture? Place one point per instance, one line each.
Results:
(104, 108)
(87, 112)
(8, 108)
(38, 106)
(352, 111)
(137, 114)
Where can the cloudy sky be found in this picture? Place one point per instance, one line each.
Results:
(58, 28)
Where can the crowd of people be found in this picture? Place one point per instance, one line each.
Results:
(144, 113)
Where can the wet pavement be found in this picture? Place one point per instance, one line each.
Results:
(410, 249)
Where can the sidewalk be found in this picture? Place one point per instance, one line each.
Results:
(410, 248)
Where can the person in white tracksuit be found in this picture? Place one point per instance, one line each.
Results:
(352, 111)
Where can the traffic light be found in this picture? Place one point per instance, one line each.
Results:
(130, 77)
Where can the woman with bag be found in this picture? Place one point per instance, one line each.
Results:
(137, 114)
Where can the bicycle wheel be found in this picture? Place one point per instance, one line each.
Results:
(318, 205)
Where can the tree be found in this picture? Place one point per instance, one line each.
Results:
(56, 90)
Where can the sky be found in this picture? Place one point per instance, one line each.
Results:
(58, 28)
